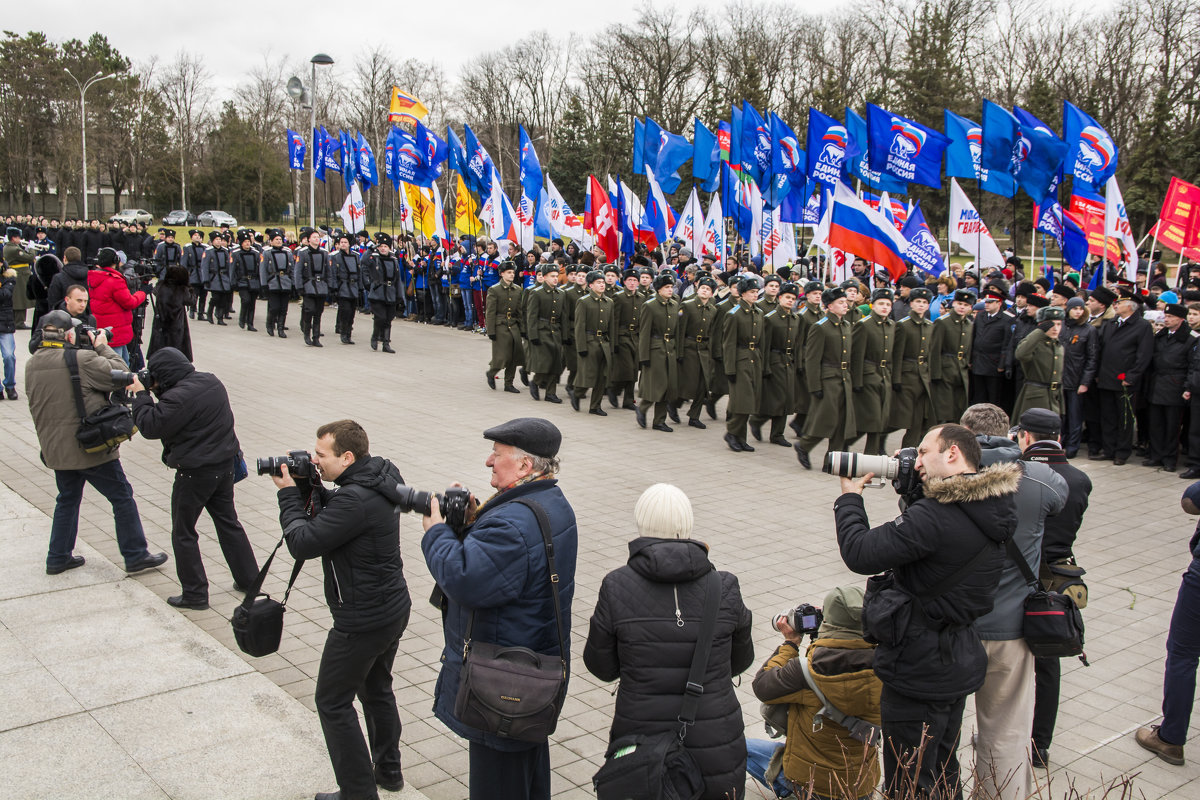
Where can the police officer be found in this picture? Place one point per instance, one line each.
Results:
(625, 367)
(1040, 355)
(697, 321)
(828, 346)
(346, 285)
(545, 324)
(191, 257)
(658, 349)
(742, 358)
(1168, 394)
(989, 343)
(502, 315)
(275, 277)
(595, 330)
(912, 395)
(781, 377)
(382, 271)
(950, 368)
(871, 371)
(245, 262)
(313, 273)
(217, 274)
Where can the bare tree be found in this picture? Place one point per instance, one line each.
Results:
(186, 88)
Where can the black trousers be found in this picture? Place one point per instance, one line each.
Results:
(383, 313)
(1165, 423)
(277, 306)
(1047, 674)
(247, 298)
(1093, 435)
(1116, 422)
(987, 389)
(199, 490)
(510, 775)
(345, 315)
(221, 302)
(199, 293)
(360, 664)
(909, 724)
(1193, 453)
(310, 314)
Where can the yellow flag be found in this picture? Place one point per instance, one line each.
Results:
(466, 210)
(405, 106)
(420, 200)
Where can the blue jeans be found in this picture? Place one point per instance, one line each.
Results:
(468, 307)
(109, 480)
(758, 757)
(1072, 419)
(123, 352)
(1183, 654)
(8, 351)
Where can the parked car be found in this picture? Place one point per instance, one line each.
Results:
(180, 217)
(214, 219)
(131, 215)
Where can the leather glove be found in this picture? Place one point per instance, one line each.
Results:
(644, 364)
(732, 378)
(492, 336)
(1046, 325)
(819, 394)
(896, 387)
(583, 353)
(1008, 374)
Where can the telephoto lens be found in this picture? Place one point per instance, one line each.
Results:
(855, 465)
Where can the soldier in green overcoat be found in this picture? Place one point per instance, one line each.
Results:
(781, 379)
(573, 292)
(545, 327)
(809, 312)
(871, 371)
(719, 386)
(624, 372)
(697, 321)
(742, 359)
(912, 394)
(950, 367)
(658, 353)
(502, 316)
(595, 330)
(827, 352)
(1041, 357)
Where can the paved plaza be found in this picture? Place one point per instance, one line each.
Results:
(765, 519)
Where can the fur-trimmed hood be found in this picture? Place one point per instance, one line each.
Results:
(993, 481)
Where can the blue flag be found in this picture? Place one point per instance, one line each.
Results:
(531, 168)
(454, 152)
(295, 150)
(706, 156)
(332, 151)
(1071, 240)
(478, 172)
(923, 249)
(827, 143)
(368, 175)
(390, 146)
(349, 160)
(666, 152)
(1091, 152)
(856, 153)
(903, 148)
(1038, 157)
(965, 154)
(756, 147)
(541, 220)
(318, 160)
(735, 136)
(433, 149)
(412, 160)
(787, 164)
(639, 147)
(733, 203)
(1000, 131)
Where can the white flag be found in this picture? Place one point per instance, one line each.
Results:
(970, 233)
(1116, 225)
(353, 211)
(439, 216)
(524, 221)
(779, 241)
(714, 230)
(821, 236)
(690, 225)
(406, 212)
(557, 209)
(756, 224)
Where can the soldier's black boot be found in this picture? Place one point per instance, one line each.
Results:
(387, 343)
(270, 323)
(281, 325)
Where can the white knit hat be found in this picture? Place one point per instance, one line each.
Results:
(664, 511)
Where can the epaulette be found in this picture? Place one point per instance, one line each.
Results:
(906, 318)
(1195, 335)
(821, 321)
(733, 310)
(772, 311)
(1009, 313)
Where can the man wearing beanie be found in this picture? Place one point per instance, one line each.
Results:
(1168, 396)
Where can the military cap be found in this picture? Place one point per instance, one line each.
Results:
(849, 283)
(963, 296)
(273, 235)
(1063, 289)
(1025, 289)
(383, 238)
(613, 268)
(534, 435)
(772, 279)
(831, 295)
(1103, 295)
(40, 229)
(789, 288)
(882, 294)
(919, 293)
(646, 271)
(305, 232)
(1176, 310)
(1050, 314)
(665, 279)
(1129, 293)
(166, 232)
(507, 266)
(1044, 283)
(707, 281)
(1040, 420)
(213, 235)
(747, 284)
(813, 286)
(57, 321)
(1037, 301)
(195, 232)
(364, 234)
(572, 269)
(594, 275)
(546, 269)
(993, 291)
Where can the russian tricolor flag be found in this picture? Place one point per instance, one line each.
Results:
(858, 229)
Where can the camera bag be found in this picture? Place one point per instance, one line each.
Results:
(514, 692)
(658, 766)
(102, 431)
(258, 621)
(1052, 625)
(1066, 577)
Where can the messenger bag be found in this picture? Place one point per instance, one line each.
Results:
(258, 621)
(102, 431)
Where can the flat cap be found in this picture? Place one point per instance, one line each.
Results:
(57, 320)
(1041, 420)
(534, 435)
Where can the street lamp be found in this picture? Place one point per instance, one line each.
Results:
(83, 87)
(324, 61)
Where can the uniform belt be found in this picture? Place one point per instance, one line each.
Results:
(750, 346)
(836, 364)
(633, 327)
(599, 334)
(958, 355)
(696, 339)
(917, 360)
(787, 351)
(666, 337)
(1052, 386)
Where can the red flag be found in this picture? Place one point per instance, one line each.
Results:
(604, 219)
(1179, 225)
(1090, 216)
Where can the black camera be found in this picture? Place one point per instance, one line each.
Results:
(121, 378)
(83, 333)
(454, 503)
(804, 619)
(299, 464)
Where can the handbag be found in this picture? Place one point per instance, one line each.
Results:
(258, 621)
(511, 691)
(240, 470)
(1052, 625)
(658, 766)
(104, 430)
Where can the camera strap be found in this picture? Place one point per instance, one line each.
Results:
(253, 591)
(694, 688)
(860, 729)
(71, 358)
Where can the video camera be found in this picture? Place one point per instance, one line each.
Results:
(901, 470)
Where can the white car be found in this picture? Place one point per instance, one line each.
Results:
(215, 219)
(132, 215)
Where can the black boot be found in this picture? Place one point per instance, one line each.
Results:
(374, 343)
(387, 345)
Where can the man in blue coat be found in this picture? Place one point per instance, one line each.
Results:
(497, 572)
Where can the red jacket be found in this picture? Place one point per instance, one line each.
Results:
(111, 303)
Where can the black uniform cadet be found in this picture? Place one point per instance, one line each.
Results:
(275, 276)
(313, 273)
(192, 257)
(167, 253)
(382, 275)
(545, 321)
(742, 358)
(781, 378)
(1168, 381)
(595, 329)
(658, 353)
(217, 273)
(502, 318)
(347, 283)
(697, 321)
(828, 348)
(246, 279)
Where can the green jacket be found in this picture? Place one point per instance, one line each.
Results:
(658, 350)
(545, 321)
(625, 360)
(827, 353)
(782, 385)
(742, 356)
(1041, 360)
(912, 405)
(594, 333)
(871, 371)
(697, 323)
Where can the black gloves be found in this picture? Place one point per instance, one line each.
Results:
(492, 336)
(732, 378)
(896, 387)
(644, 364)
(819, 394)
(583, 353)
(858, 389)
(1046, 325)
(535, 341)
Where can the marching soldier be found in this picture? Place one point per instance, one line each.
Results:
(1040, 355)
(770, 293)
(545, 321)
(572, 294)
(275, 277)
(192, 257)
(502, 313)
(742, 358)
(781, 377)
(645, 278)
(871, 371)
(950, 368)
(595, 330)
(628, 306)
(217, 274)
(313, 273)
(912, 395)
(810, 314)
(697, 321)
(346, 285)
(168, 253)
(989, 343)
(658, 349)
(853, 289)
(719, 385)
(827, 352)
(246, 280)
(382, 271)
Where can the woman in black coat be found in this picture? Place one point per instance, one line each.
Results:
(171, 298)
(644, 631)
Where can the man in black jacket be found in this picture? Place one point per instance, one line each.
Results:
(1126, 351)
(1168, 393)
(946, 551)
(195, 423)
(356, 533)
(989, 344)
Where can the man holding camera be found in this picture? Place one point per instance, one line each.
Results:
(56, 419)
(195, 423)
(946, 552)
(354, 530)
(496, 585)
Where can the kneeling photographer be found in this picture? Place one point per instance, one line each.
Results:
(195, 423)
(354, 529)
(830, 698)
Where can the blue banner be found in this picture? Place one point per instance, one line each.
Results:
(454, 152)
(756, 147)
(639, 147)
(1000, 130)
(368, 175)
(903, 148)
(531, 168)
(349, 160)
(318, 160)
(827, 141)
(478, 172)
(1091, 152)
(787, 164)
(923, 249)
(295, 150)
(706, 156)
(856, 154)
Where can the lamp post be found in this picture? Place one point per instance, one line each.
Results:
(83, 87)
(324, 61)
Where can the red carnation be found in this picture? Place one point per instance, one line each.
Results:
(1121, 376)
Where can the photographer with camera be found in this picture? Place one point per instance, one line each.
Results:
(944, 555)
(111, 301)
(195, 423)
(496, 584)
(56, 418)
(830, 697)
(354, 529)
